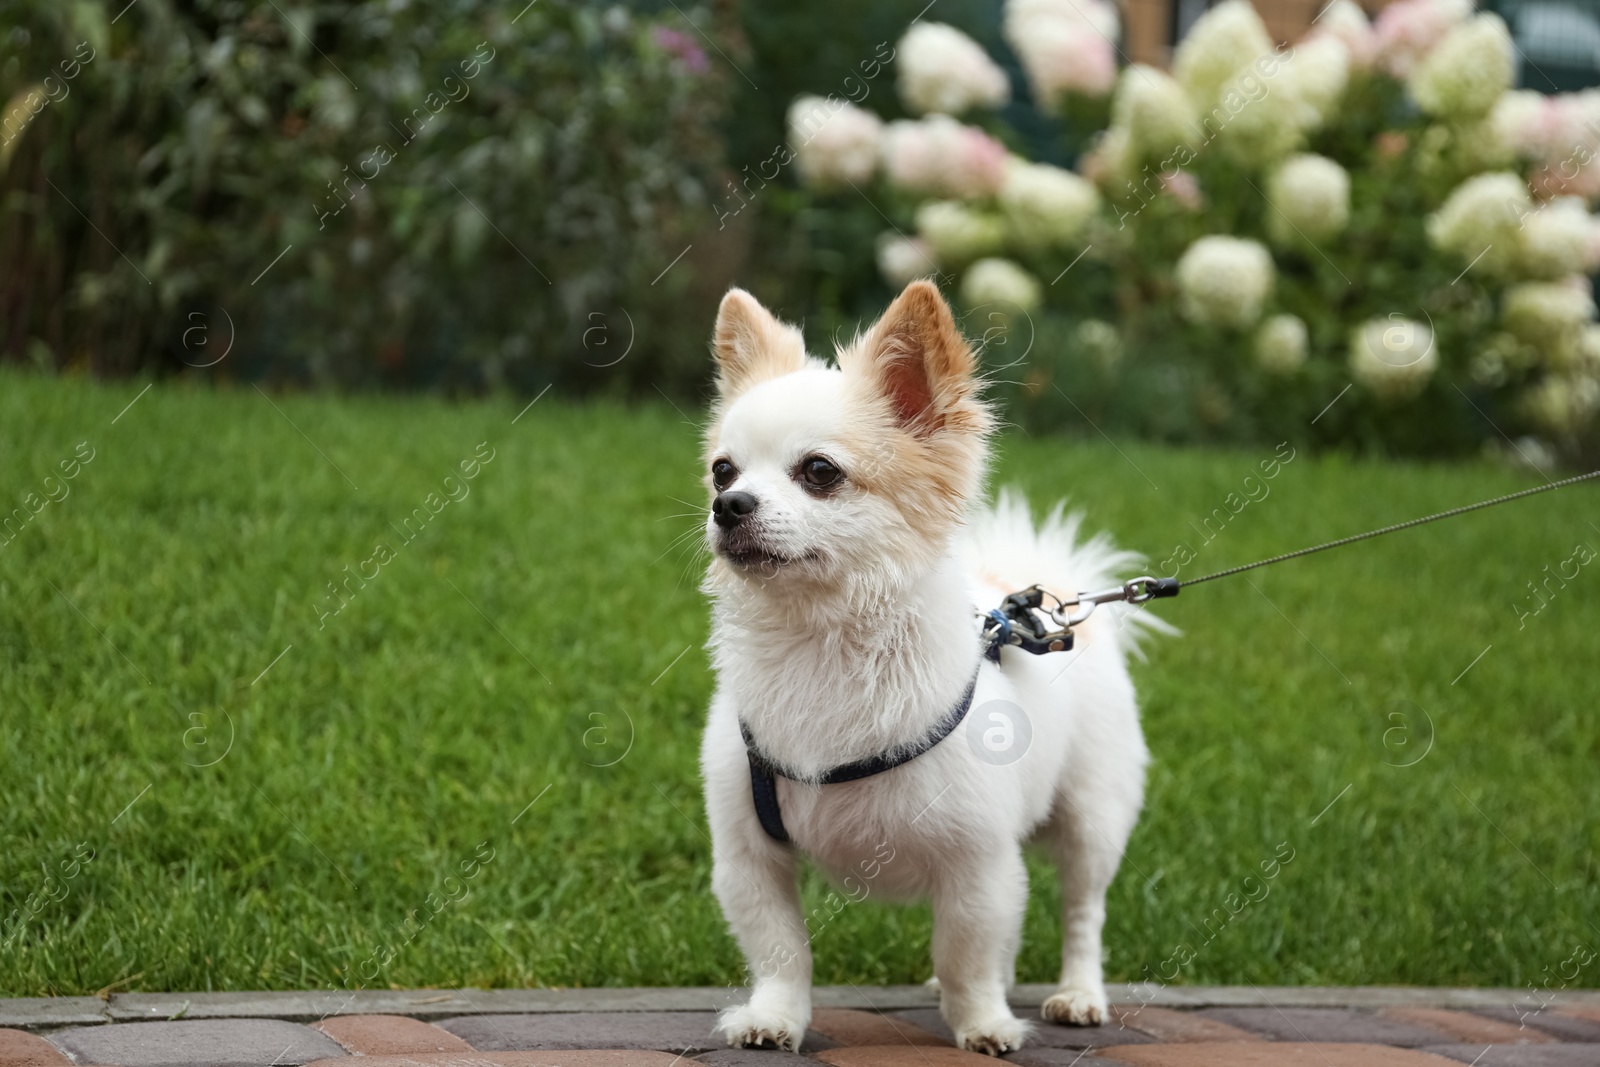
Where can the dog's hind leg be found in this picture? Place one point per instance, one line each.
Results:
(1092, 821)
(977, 921)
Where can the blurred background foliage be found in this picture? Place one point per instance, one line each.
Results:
(507, 176)
(477, 195)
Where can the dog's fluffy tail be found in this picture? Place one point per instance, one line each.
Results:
(1008, 553)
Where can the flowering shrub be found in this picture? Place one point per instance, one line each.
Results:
(1366, 236)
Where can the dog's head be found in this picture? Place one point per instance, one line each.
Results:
(825, 474)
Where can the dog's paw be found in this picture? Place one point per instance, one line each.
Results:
(1076, 1007)
(932, 983)
(752, 1027)
(995, 1037)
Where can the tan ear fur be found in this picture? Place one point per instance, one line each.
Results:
(751, 345)
(919, 414)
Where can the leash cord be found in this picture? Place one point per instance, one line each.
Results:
(1397, 526)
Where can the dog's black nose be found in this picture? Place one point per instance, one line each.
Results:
(729, 509)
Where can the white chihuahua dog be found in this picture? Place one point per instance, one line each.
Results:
(849, 569)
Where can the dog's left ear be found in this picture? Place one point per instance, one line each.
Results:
(915, 358)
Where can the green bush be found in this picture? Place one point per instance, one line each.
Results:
(463, 196)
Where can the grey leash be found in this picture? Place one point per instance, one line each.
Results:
(1397, 526)
(1039, 621)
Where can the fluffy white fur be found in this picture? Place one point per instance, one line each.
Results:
(856, 636)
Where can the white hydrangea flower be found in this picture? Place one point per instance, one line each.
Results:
(1345, 21)
(1468, 72)
(942, 157)
(1517, 120)
(1393, 357)
(1265, 119)
(834, 141)
(902, 260)
(1222, 42)
(999, 281)
(1155, 110)
(1407, 30)
(1563, 404)
(1112, 163)
(1321, 68)
(1480, 220)
(944, 70)
(1550, 316)
(1281, 344)
(1223, 281)
(1556, 239)
(1098, 340)
(1065, 46)
(1309, 197)
(1046, 205)
(958, 233)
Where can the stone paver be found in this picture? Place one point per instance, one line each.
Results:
(754, 1057)
(18, 1049)
(1467, 1027)
(1562, 1025)
(1058, 1057)
(1045, 1034)
(1274, 1054)
(1315, 1025)
(848, 1026)
(685, 1032)
(1164, 1024)
(208, 1042)
(381, 1035)
(559, 1058)
(1521, 1055)
(52, 1011)
(1580, 1011)
(902, 1056)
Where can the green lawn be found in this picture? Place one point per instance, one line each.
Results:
(533, 629)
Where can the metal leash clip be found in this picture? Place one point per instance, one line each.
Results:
(1023, 621)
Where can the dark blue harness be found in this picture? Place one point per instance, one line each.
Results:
(1014, 623)
(764, 773)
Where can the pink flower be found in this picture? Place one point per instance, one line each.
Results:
(1183, 188)
(681, 45)
(1407, 30)
(941, 157)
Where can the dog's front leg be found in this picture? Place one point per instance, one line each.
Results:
(977, 918)
(754, 879)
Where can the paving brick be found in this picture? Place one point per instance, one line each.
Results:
(903, 1056)
(1581, 1011)
(18, 1049)
(1315, 1025)
(559, 1058)
(685, 1032)
(1164, 1024)
(1057, 1057)
(1273, 1054)
(754, 1057)
(191, 1043)
(1045, 1034)
(847, 1026)
(1562, 1025)
(1467, 1026)
(380, 1035)
(1560, 1055)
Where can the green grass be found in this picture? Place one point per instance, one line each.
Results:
(536, 627)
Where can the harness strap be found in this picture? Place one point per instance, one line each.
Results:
(764, 773)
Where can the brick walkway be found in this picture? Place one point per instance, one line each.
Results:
(1178, 1027)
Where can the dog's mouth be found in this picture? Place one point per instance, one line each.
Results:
(749, 553)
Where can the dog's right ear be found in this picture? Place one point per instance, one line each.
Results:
(751, 345)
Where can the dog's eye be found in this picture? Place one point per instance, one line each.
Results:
(722, 474)
(819, 472)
